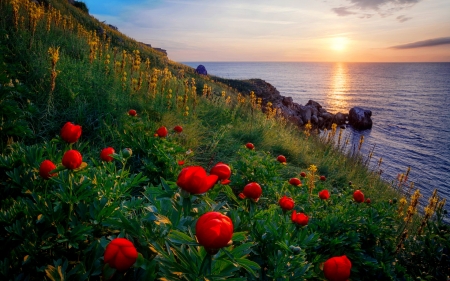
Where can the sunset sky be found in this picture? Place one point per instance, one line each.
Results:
(286, 30)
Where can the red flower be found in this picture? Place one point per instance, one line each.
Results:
(214, 230)
(337, 268)
(295, 181)
(105, 154)
(120, 254)
(303, 174)
(250, 146)
(194, 180)
(132, 112)
(299, 218)
(252, 191)
(358, 196)
(323, 178)
(324, 194)
(45, 168)
(178, 129)
(368, 201)
(286, 203)
(72, 159)
(223, 171)
(162, 132)
(181, 162)
(281, 159)
(70, 132)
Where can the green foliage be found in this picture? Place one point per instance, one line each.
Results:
(59, 228)
(82, 6)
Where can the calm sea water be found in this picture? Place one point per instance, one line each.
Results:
(410, 104)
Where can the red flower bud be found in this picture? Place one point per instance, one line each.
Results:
(358, 196)
(181, 162)
(252, 191)
(194, 180)
(299, 218)
(281, 159)
(323, 178)
(295, 181)
(324, 194)
(162, 132)
(286, 203)
(105, 154)
(120, 254)
(70, 132)
(132, 112)
(72, 159)
(214, 230)
(303, 174)
(337, 268)
(368, 201)
(178, 129)
(250, 146)
(221, 170)
(45, 168)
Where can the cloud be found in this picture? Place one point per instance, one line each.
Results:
(425, 43)
(403, 18)
(382, 7)
(343, 11)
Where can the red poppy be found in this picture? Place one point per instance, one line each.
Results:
(45, 168)
(178, 129)
(72, 159)
(214, 230)
(162, 132)
(181, 162)
(295, 181)
(337, 268)
(281, 159)
(120, 254)
(303, 174)
(194, 180)
(250, 146)
(368, 201)
(299, 218)
(358, 196)
(70, 132)
(223, 171)
(286, 203)
(324, 194)
(105, 154)
(132, 112)
(252, 191)
(323, 178)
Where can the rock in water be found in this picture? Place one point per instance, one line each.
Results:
(201, 70)
(359, 118)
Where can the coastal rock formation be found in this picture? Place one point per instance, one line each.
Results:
(201, 69)
(360, 118)
(298, 114)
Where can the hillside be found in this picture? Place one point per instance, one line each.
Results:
(113, 158)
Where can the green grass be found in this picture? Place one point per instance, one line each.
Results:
(59, 228)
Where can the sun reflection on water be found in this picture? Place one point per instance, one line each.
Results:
(337, 96)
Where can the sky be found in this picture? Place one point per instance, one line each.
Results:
(285, 30)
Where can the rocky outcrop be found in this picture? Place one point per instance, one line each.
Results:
(298, 114)
(360, 118)
(201, 69)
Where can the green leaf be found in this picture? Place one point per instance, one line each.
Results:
(179, 237)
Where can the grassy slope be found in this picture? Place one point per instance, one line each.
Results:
(214, 129)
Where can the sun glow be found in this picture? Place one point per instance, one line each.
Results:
(339, 43)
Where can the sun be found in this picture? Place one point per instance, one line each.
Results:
(339, 43)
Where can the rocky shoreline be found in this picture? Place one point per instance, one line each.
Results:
(300, 115)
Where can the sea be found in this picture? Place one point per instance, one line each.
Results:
(410, 104)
